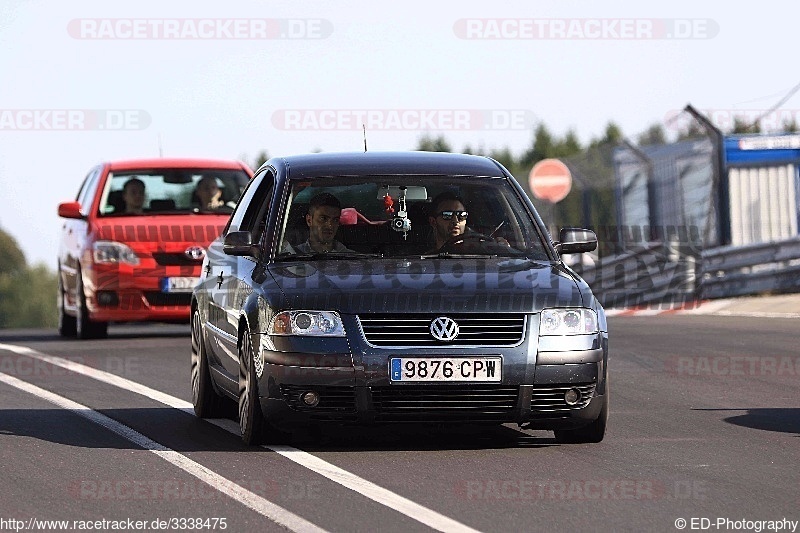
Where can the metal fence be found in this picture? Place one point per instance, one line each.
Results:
(656, 210)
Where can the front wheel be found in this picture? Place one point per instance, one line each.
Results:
(251, 420)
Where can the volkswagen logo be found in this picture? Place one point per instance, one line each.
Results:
(195, 252)
(444, 328)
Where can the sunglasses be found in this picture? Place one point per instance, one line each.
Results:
(448, 215)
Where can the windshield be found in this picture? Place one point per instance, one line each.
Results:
(172, 191)
(395, 216)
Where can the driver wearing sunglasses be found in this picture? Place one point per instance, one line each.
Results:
(449, 220)
(448, 217)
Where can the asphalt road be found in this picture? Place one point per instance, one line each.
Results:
(704, 423)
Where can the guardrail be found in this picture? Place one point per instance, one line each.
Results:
(654, 275)
(752, 269)
(659, 275)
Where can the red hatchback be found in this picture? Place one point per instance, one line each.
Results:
(135, 237)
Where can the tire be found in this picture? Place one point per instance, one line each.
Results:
(592, 433)
(251, 420)
(207, 403)
(67, 325)
(85, 327)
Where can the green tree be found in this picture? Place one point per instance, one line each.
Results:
(692, 131)
(27, 295)
(260, 159)
(427, 143)
(541, 148)
(741, 125)
(28, 298)
(11, 257)
(613, 134)
(504, 157)
(790, 126)
(653, 135)
(569, 145)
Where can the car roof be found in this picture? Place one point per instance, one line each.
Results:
(140, 164)
(388, 163)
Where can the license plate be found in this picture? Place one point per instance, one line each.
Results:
(179, 284)
(446, 369)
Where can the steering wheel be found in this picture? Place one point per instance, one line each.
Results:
(465, 239)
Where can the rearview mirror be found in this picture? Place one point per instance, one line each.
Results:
(576, 241)
(239, 243)
(70, 210)
(411, 192)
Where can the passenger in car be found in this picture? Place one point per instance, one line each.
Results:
(324, 211)
(207, 194)
(133, 195)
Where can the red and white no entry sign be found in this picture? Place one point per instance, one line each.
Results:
(550, 180)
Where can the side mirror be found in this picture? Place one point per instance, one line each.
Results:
(576, 241)
(70, 210)
(239, 243)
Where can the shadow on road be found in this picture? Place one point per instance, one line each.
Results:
(121, 331)
(782, 420)
(184, 432)
(419, 437)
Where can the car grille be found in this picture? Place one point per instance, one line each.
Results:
(165, 299)
(548, 401)
(444, 402)
(332, 400)
(165, 259)
(414, 330)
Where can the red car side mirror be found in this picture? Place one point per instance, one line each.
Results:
(70, 210)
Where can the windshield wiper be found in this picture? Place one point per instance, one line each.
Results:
(447, 255)
(325, 255)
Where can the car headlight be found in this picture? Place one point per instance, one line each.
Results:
(310, 323)
(568, 321)
(114, 252)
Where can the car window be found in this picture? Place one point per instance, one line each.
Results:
(88, 188)
(252, 214)
(394, 216)
(173, 191)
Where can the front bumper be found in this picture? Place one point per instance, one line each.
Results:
(352, 380)
(540, 405)
(121, 293)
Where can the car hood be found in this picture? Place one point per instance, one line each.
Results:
(426, 285)
(166, 233)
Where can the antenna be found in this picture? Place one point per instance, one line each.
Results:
(364, 127)
(160, 148)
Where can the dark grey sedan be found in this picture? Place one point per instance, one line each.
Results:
(372, 288)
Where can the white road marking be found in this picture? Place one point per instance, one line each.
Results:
(277, 514)
(366, 488)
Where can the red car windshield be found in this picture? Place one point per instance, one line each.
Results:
(172, 191)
